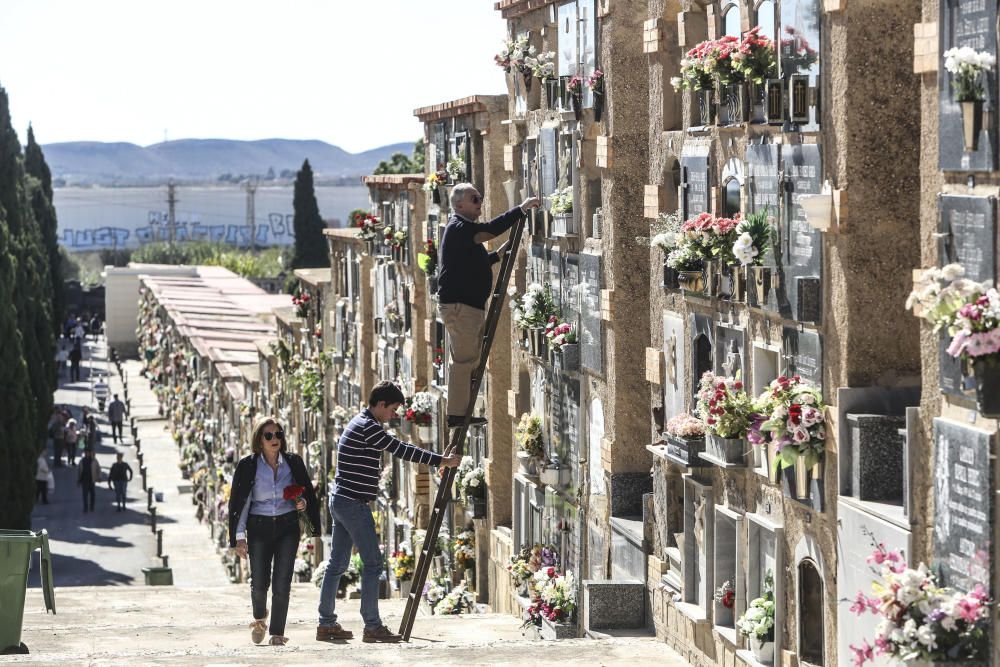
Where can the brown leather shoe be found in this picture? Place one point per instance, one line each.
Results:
(278, 640)
(381, 635)
(335, 631)
(257, 630)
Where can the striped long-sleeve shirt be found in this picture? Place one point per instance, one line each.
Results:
(359, 457)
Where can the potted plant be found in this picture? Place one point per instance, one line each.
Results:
(696, 77)
(530, 443)
(970, 312)
(456, 167)
(755, 59)
(427, 261)
(720, 58)
(419, 410)
(471, 482)
(757, 623)
(531, 312)
(396, 241)
(687, 260)
(553, 608)
(966, 66)
(464, 551)
(754, 236)
(527, 562)
(725, 408)
(367, 231)
(562, 340)
(561, 208)
(685, 437)
(922, 623)
(666, 235)
(792, 412)
(435, 184)
(401, 562)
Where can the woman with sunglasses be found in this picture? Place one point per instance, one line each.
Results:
(264, 524)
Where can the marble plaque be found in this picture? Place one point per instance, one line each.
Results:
(702, 344)
(799, 60)
(802, 245)
(802, 353)
(730, 356)
(570, 289)
(554, 278)
(970, 23)
(695, 185)
(764, 185)
(962, 501)
(591, 326)
(967, 234)
(673, 360)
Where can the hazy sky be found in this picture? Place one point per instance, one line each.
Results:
(349, 72)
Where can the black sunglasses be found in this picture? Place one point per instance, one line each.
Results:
(476, 199)
(269, 435)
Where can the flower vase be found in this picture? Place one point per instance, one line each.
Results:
(711, 271)
(537, 343)
(691, 281)
(432, 284)
(758, 110)
(571, 356)
(762, 651)
(470, 578)
(972, 123)
(986, 372)
(734, 103)
(670, 277)
(706, 107)
(478, 507)
(738, 283)
(802, 477)
(550, 477)
(727, 450)
(425, 432)
(771, 454)
(576, 99)
(442, 191)
(525, 463)
(759, 455)
(396, 251)
(404, 588)
(598, 105)
(760, 276)
(436, 196)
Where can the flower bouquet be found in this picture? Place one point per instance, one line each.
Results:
(531, 312)
(920, 620)
(528, 561)
(513, 54)
(419, 408)
(757, 623)
(797, 56)
(725, 408)
(368, 228)
(470, 480)
(553, 603)
(970, 313)
(529, 438)
(725, 595)
(685, 436)
(791, 412)
(401, 561)
(434, 591)
(458, 601)
(292, 493)
(427, 258)
(464, 550)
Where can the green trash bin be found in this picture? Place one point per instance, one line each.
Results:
(16, 547)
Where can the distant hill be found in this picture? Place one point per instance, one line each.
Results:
(200, 160)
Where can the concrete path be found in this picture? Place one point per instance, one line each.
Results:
(105, 547)
(186, 626)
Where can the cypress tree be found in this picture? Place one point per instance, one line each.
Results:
(18, 418)
(45, 213)
(310, 244)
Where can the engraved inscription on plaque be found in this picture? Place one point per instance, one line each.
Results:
(802, 244)
(967, 234)
(802, 353)
(591, 331)
(962, 501)
(695, 185)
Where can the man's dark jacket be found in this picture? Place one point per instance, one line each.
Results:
(246, 475)
(466, 267)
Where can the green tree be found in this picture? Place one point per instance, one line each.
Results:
(18, 418)
(400, 163)
(310, 244)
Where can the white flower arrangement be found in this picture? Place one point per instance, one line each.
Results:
(319, 573)
(542, 66)
(533, 308)
(458, 601)
(561, 201)
(758, 620)
(965, 64)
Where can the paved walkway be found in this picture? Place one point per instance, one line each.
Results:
(163, 625)
(105, 547)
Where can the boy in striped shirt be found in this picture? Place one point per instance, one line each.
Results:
(359, 455)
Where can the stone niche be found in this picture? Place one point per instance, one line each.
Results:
(765, 558)
(699, 519)
(857, 533)
(668, 530)
(673, 358)
(728, 566)
(810, 598)
(702, 344)
(729, 352)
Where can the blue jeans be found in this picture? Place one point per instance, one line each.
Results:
(120, 486)
(352, 524)
(272, 542)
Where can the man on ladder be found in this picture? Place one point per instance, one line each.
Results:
(464, 287)
(466, 284)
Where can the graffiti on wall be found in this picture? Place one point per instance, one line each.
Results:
(275, 230)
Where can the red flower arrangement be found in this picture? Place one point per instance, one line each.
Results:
(293, 492)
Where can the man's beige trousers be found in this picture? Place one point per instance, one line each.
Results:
(465, 334)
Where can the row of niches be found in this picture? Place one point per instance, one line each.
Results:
(750, 232)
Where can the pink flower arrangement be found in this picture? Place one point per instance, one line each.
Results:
(713, 236)
(789, 414)
(919, 619)
(724, 406)
(559, 334)
(596, 81)
(685, 426)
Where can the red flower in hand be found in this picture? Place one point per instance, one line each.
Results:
(293, 491)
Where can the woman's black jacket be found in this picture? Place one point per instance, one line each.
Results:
(243, 481)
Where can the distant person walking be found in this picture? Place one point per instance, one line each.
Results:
(70, 436)
(75, 356)
(62, 355)
(118, 478)
(270, 487)
(87, 478)
(42, 473)
(57, 432)
(79, 333)
(116, 415)
(95, 327)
